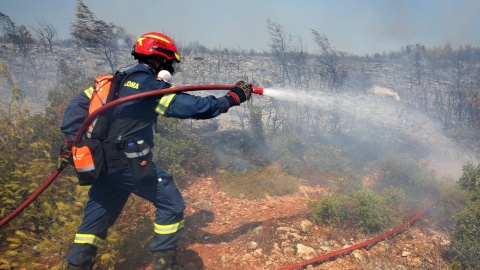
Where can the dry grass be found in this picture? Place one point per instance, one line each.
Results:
(257, 182)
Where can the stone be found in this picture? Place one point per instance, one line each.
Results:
(252, 245)
(306, 226)
(357, 255)
(306, 251)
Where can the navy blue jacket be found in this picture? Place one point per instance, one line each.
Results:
(135, 119)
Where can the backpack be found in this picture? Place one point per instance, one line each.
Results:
(88, 153)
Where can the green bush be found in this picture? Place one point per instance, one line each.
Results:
(363, 209)
(329, 211)
(372, 212)
(464, 246)
(470, 182)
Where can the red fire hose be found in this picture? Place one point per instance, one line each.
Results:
(361, 245)
(92, 116)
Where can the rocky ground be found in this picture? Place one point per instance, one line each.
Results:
(277, 233)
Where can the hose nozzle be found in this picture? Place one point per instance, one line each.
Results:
(258, 90)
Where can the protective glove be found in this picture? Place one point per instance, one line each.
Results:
(241, 92)
(65, 156)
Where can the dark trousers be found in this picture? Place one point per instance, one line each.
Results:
(106, 199)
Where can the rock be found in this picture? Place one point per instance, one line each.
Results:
(357, 255)
(288, 229)
(290, 234)
(293, 236)
(405, 253)
(306, 226)
(252, 245)
(306, 251)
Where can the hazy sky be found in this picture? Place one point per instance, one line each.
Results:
(355, 26)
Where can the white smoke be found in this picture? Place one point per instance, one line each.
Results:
(386, 120)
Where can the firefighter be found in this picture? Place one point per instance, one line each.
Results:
(134, 120)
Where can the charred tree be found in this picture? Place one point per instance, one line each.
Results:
(332, 67)
(97, 36)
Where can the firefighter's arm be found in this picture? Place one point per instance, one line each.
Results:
(186, 106)
(75, 114)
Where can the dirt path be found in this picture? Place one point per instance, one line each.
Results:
(271, 233)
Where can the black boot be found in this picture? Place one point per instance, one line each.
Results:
(74, 267)
(164, 260)
(86, 266)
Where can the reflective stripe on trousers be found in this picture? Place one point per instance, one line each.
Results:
(169, 229)
(87, 239)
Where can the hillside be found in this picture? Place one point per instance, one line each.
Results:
(307, 126)
(273, 233)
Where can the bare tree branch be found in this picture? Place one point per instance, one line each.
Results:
(97, 36)
(17, 35)
(330, 61)
(45, 34)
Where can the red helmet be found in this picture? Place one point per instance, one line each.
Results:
(154, 43)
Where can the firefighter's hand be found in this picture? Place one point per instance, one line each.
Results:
(65, 156)
(241, 92)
